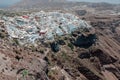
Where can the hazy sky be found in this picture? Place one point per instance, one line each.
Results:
(7, 2)
(4, 3)
(109, 1)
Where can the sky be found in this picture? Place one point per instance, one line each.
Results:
(4, 3)
(108, 1)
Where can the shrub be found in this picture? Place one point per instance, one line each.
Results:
(25, 73)
(64, 56)
(71, 46)
(16, 41)
(2, 35)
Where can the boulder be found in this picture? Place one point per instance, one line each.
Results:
(81, 12)
(61, 42)
(103, 57)
(85, 41)
(55, 46)
(84, 55)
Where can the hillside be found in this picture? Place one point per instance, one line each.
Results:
(79, 43)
